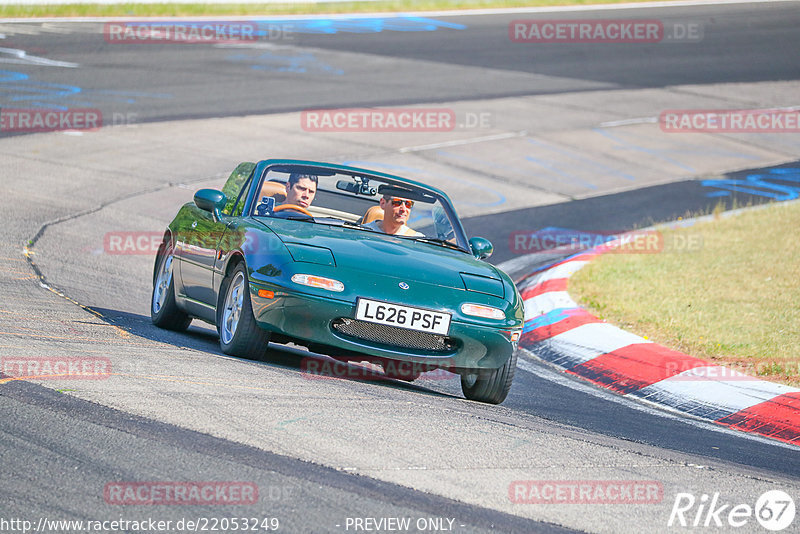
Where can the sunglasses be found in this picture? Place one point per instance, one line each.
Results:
(396, 202)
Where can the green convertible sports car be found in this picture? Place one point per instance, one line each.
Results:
(355, 264)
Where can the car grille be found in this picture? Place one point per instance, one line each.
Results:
(394, 336)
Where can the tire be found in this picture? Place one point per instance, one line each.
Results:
(239, 334)
(164, 311)
(492, 388)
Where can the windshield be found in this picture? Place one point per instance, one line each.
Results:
(360, 202)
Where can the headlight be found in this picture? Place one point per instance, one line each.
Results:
(478, 310)
(318, 281)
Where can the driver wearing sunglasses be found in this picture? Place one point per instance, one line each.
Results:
(395, 215)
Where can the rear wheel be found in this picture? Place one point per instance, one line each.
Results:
(239, 334)
(164, 312)
(493, 387)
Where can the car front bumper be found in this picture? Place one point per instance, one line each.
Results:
(311, 318)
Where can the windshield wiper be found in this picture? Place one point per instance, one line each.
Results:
(437, 241)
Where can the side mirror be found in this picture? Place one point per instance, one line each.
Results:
(481, 248)
(211, 200)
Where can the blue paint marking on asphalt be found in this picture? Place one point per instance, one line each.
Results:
(18, 87)
(759, 185)
(298, 63)
(554, 169)
(790, 171)
(10, 76)
(487, 163)
(128, 97)
(501, 199)
(333, 25)
(593, 164)
(676, 148)
(625, 145)
(550, 318)
(283, 28)
(519, 170)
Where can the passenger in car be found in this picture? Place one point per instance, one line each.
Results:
(396, 211)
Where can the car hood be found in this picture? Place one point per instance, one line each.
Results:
(379, 254)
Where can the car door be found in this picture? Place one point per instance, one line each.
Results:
(198, 249)
(200, 242)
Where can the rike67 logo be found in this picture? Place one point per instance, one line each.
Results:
(774, 510)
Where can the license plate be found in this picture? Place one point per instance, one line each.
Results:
(419, 319)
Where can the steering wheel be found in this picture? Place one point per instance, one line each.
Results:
(294, 207)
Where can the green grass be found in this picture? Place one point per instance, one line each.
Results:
(195, 10)
(735, 301)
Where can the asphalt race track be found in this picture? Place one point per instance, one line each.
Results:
(547, 135)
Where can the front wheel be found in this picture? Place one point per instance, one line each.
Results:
(239, 334)
(491, 388)
(164, 312)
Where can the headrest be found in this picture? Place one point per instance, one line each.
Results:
(273, 189)
(373, 214)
